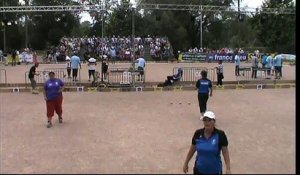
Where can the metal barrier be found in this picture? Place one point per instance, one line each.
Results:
(43, 76)
(192, 74)
(245, 74)
(67, 81)
(122, 76)
(3, 76)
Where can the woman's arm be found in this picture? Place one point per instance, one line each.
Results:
(188, 158)
(225, 153)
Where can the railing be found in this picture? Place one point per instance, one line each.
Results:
(3, 76)
(192, 74)
(43, 76)
(125, 77)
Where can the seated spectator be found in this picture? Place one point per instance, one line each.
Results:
(172, 78)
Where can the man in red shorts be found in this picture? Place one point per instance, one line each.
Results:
(53, 96)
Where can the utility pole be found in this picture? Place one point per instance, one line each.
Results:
(239, 24)
(102, 36)
(133, 36)
(4, 32)
(200, 26)
(26, 26)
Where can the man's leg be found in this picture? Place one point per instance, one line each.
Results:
(93, 75)
(90, 73)
(50, 112)
(205, 99)
(58, 108)
(73, 74)
(200, 100)
(169, 79)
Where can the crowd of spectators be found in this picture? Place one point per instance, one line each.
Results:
(116, 48)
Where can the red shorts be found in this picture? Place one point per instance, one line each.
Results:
(54, 105)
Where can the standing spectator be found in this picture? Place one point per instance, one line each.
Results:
(75, 65)
(220, 74)
(254, 65)
(68, 64)
(208, 142)
(237, 62)
(269, 65)
(32, 73)
(264, 60)
(14, 58)
(278, 66)
(141, 65)
(113, 55)
(53, 96)
(92, 68)
(34, 57)
(105, 66)
(204, 86)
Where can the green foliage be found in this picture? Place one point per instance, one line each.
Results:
(222, 29)
(277, 32)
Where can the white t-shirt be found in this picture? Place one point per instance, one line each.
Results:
(92, 64)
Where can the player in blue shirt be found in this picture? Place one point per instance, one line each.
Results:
(53, 96)
(75, 65)
(204, 86)
(208, 142)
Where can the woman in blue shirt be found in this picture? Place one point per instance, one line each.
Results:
(208, 142)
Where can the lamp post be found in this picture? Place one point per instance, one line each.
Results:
(200, 26)
(133, 36)
(102, 35)
(4, 32)
(239, 23)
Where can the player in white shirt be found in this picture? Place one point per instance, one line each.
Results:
(92, 68)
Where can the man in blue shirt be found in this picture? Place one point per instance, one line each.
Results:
(278, 66)
(75, 65)
(141, 65)
(204, 86)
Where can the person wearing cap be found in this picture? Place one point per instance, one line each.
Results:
(53, 88)
(92, 62)
(31, 74)
(204, 86)
(209, 142)
(105, 66)
(68, 64)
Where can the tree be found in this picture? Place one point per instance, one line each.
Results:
(50, 27)
(276, 31)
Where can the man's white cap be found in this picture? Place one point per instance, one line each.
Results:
(208, 114)
(68, 58)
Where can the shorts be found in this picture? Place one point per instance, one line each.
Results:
(54, 105)
(74, 72)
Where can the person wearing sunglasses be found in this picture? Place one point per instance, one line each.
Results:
(208, 142)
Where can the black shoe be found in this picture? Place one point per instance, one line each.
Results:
(49, 125)
(60, 119)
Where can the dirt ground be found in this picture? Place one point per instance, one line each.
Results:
(155, 72)
(145, 132)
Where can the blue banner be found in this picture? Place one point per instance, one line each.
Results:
(226, 57)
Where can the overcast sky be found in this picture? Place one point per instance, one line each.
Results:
(249, 3)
